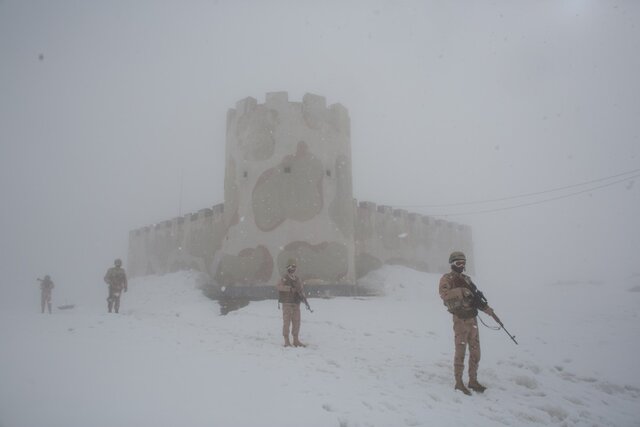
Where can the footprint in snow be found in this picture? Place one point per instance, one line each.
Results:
(525, 381)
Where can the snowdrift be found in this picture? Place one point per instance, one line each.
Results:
(170, 359)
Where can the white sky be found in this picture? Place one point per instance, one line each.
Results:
(449, 102)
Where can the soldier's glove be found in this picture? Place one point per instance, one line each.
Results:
(489, 311)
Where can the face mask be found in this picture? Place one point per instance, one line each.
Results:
(458, 266)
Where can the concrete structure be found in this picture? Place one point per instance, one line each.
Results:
(288, 194)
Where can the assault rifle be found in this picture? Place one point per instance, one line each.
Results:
(302, 297)
(479, 301)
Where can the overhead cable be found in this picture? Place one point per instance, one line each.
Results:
(540, 201)
(536, 193)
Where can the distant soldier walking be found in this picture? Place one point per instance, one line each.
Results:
(290, 294)
(458, 293)
(117, 280)
(46, 289)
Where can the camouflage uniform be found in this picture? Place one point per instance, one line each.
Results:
(288, 288)
(46, 288)
(465, 326)
(117, 280)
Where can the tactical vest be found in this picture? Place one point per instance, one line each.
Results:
(116, 276)
(289, 297)
(459, 299)
(46, 285)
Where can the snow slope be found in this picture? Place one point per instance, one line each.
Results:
(170, 359)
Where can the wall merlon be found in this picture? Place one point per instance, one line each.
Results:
(339, 110)
(314, 102)
(218, 209)
(246, 105)
(384, 209)
(367, 205)
(276, 99)
(231, 115)
(401, 213)
(206, 212)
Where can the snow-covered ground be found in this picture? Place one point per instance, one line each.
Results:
(170, 359)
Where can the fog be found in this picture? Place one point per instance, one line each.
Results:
(109, 109)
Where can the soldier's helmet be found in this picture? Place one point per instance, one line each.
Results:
(457, 256)
(118, 262)
(47, 277)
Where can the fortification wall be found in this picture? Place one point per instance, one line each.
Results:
(187, 242)
(288, 194)
(395, 236)
(383, 235)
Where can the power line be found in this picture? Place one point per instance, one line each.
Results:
(519, 196)
(541, 201)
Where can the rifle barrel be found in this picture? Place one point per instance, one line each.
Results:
(513, 337)
(497, 319)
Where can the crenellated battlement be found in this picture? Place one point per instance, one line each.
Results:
(278, 100)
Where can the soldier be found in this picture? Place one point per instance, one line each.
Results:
(457, 291)
(46, 288)
(117, 280)
(290, 294)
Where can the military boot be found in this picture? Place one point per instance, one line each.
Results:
(460, 386)
(476, 386)
(287, 343)
(297, 343)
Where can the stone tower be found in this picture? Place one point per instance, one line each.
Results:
(287, 193)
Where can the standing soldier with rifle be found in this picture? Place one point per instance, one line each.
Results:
(46, 288)
(459, 295)
(290, 294)
(117, 280)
